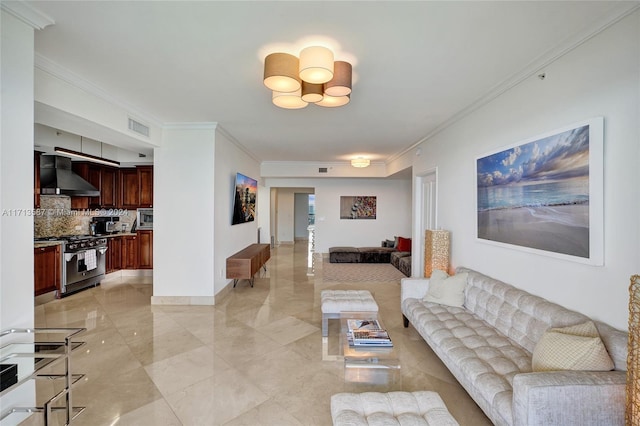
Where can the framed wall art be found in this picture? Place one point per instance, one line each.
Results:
(244, 199)
(357, 207)
(545, 194)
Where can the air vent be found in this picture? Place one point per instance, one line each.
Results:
(138, 127)
(322, 170)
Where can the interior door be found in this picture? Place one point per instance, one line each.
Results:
(426, 201)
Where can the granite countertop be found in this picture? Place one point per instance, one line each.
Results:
(119, 234)
(42, 244)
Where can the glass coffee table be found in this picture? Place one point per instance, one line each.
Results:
(366, 368)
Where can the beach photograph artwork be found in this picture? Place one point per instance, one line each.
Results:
(536, 195)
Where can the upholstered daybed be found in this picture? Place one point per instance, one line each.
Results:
(389, 252)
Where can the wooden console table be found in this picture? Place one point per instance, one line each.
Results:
(244, 264)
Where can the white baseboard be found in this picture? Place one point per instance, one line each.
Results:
(116, 275)
(183, 300)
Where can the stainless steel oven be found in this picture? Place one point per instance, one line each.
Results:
(84, 263)
(145, 218)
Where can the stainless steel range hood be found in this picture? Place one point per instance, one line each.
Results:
(57, 178)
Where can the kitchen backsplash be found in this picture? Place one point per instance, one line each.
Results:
(55, 217)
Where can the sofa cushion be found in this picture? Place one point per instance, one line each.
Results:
(396, 256)
(519, 315)
(404, 265)
(375, 254)
(445, 289)
(404, 244)
(576, 347)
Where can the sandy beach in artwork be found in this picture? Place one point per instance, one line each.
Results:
(560, 229)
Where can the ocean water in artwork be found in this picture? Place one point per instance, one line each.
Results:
(552, 194)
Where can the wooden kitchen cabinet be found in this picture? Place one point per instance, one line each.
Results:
(108, 187)
(145, 185)
(81, 169)
(114, 254)
(145, 249)
(130, 252)
(104, 178)
(129, 189)
(47, 269)
(136, 187)
(90, 172)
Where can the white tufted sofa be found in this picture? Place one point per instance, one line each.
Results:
(487, 345)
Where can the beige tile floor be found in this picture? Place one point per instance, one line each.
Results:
(255, 358)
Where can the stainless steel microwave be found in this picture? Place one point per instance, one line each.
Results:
(145, 219)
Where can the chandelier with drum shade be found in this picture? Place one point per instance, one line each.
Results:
(314, 77)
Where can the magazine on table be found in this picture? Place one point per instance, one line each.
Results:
(367, 333)
(359, 324)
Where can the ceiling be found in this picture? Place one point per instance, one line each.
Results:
(418, 65)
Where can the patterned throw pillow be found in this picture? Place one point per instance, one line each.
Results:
(577, 347)
(445, 289)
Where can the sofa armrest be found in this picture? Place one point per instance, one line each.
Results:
(569, 398)
(413, 288)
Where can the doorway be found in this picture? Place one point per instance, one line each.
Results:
(426, 202)
(290, 214)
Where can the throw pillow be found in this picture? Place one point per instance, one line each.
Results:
(445, 289)
(404, 244)
(577, 347)
(390, 243)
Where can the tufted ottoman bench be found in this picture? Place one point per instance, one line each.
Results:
(344, 255)
(392, 408)
(336, 301)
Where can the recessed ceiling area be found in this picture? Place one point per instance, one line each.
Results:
(419, 64)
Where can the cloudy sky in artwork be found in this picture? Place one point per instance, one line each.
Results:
(558, 157)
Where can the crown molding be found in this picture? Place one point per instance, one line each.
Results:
(27, 14)
(47, 65)
(534, 67)
(319, 163)
(237, 143)
(215, 126)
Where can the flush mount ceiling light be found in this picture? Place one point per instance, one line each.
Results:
(314, 78)
(288, 100)
(360, 162)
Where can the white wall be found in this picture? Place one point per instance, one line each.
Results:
(599, 78)
(393, 210)
(285, 216)
(229, 160)
(301, 216)
(183, 255)
(16, 189)
(16, 175)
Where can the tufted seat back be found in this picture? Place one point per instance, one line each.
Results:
(524, 317)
